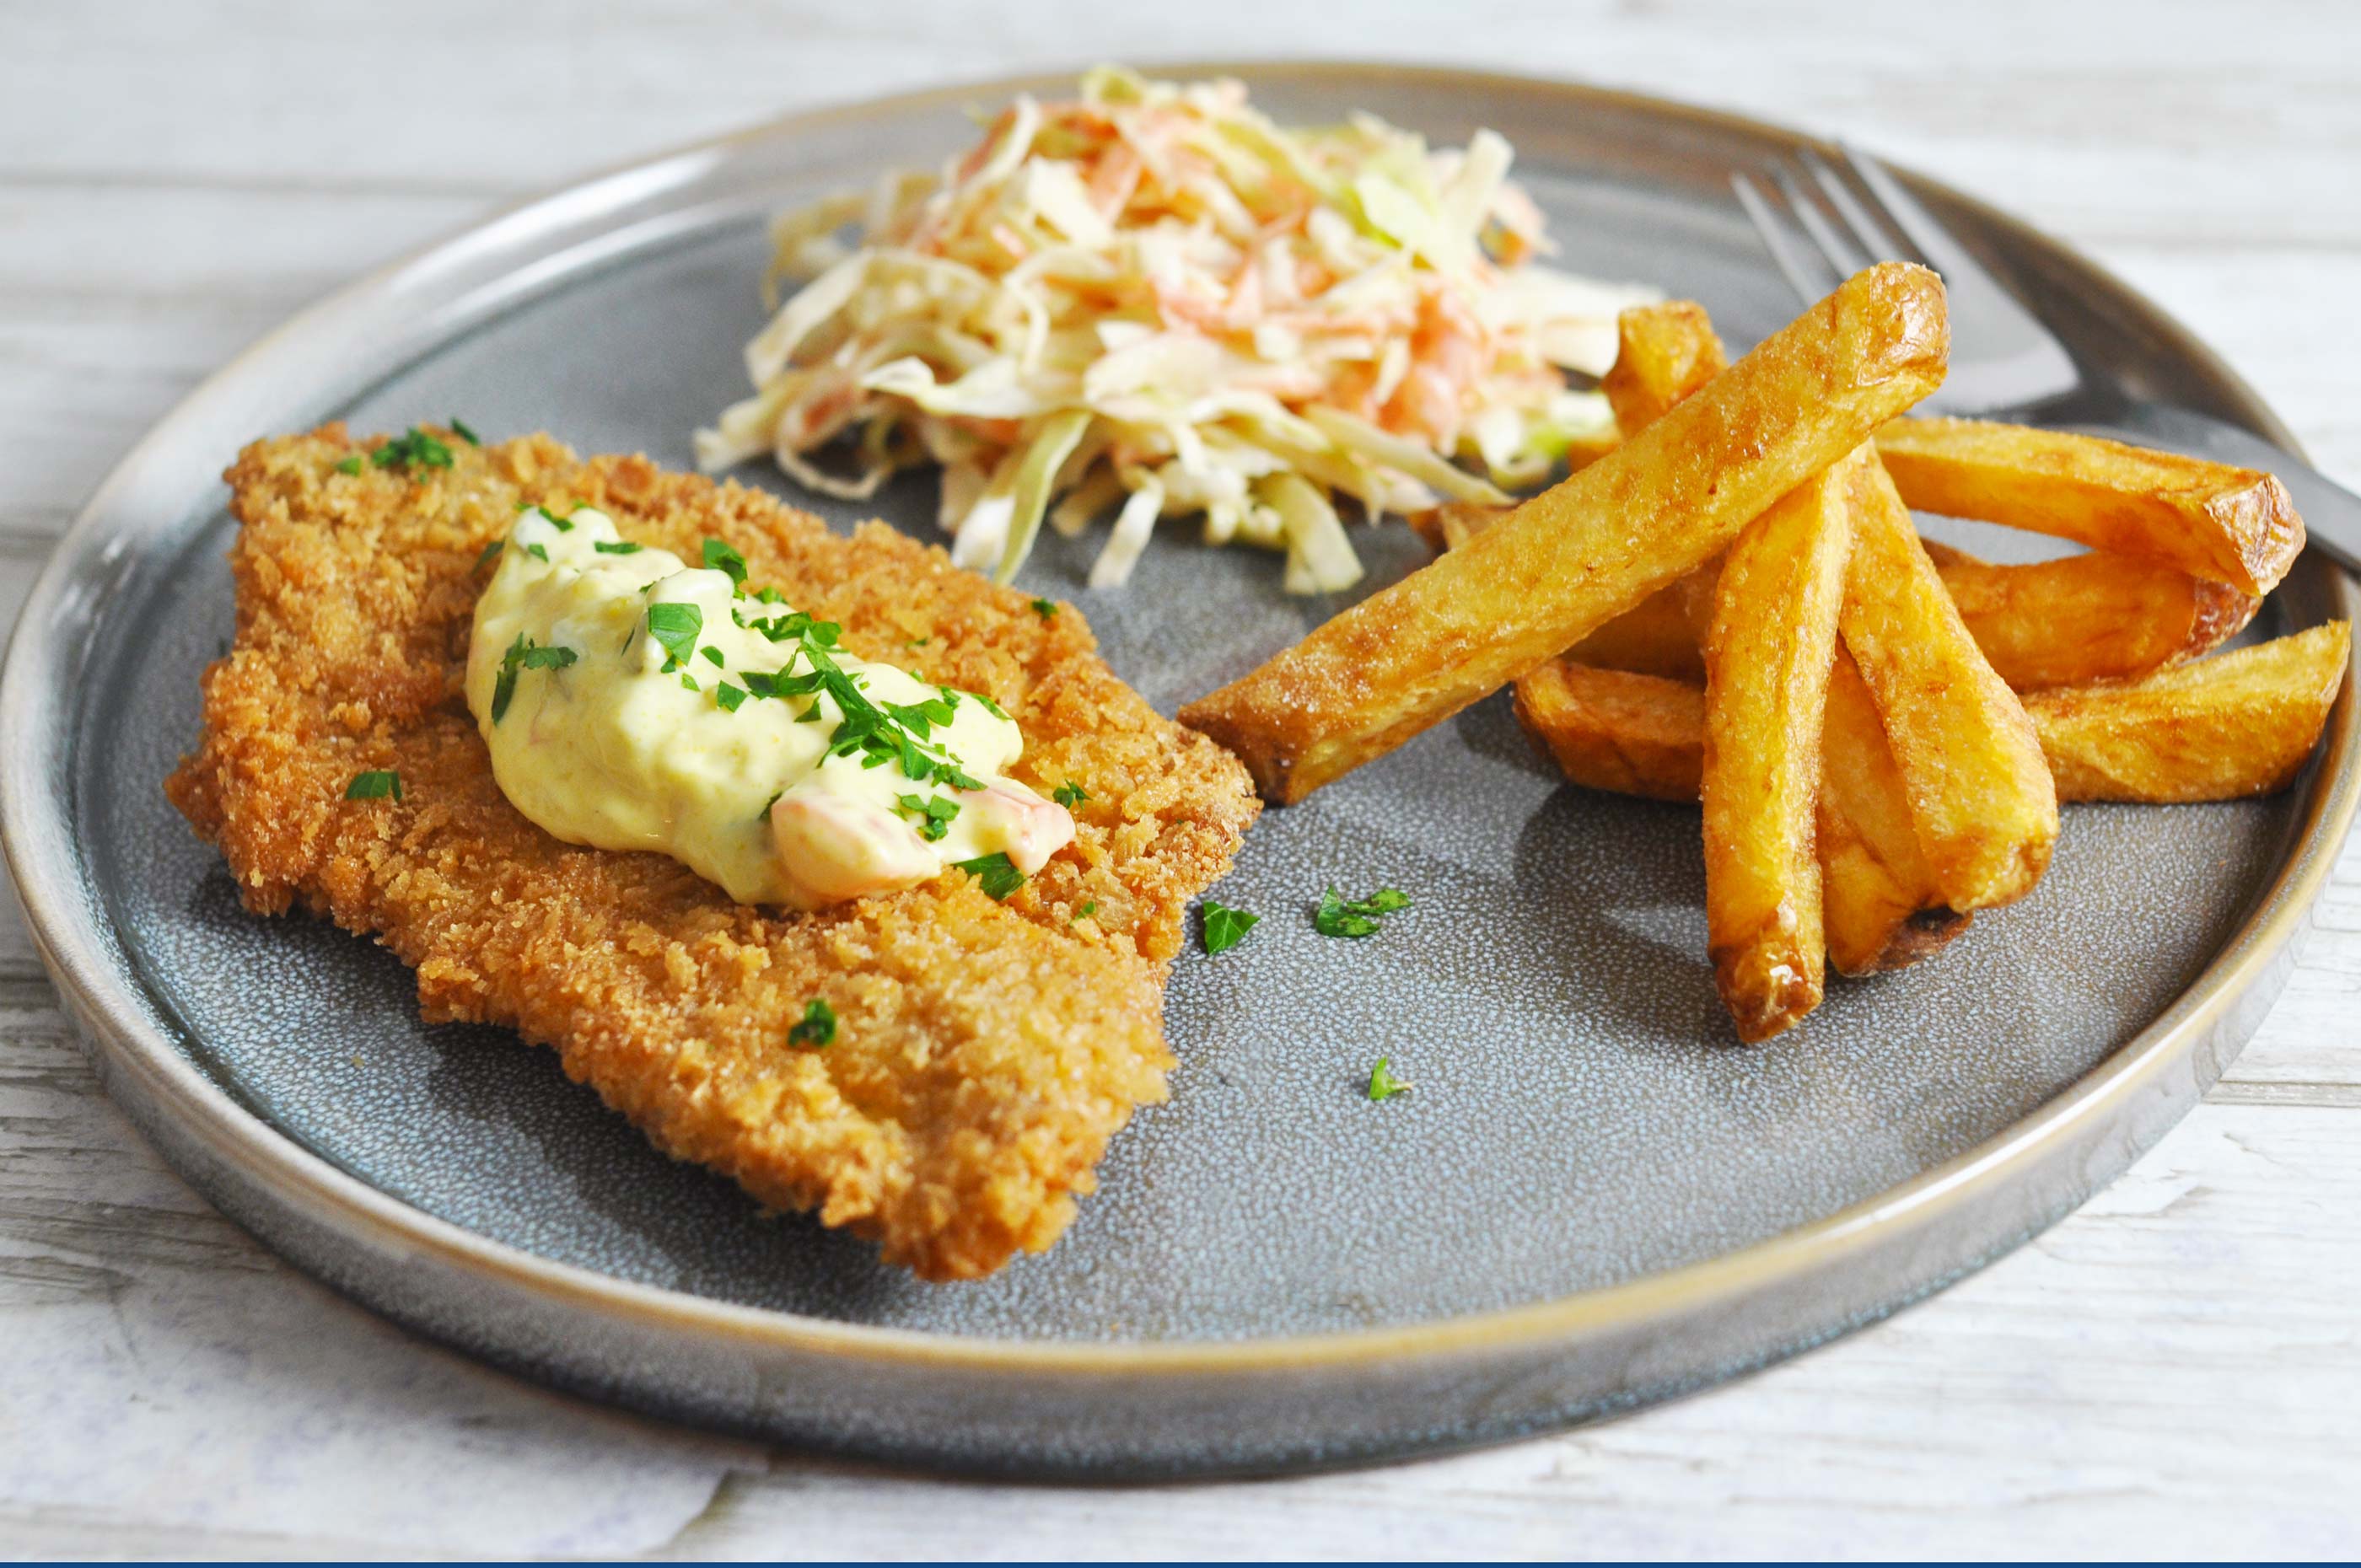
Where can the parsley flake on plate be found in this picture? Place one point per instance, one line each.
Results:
(614, 547)
(1224, 927)
(377, 783)
(1070, 795)
(351, 464)
(459, 428)
(1355, 918)
(1383, 1084)
(1046, 608)
(818, 1027)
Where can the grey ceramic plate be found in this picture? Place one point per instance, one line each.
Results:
(1590, 1200)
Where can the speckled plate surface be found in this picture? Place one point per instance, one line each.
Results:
(1591, 1200)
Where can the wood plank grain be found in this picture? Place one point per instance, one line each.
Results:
(2057, 1397)
(2074, 114)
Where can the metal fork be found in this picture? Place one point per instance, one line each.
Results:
(1822, 225)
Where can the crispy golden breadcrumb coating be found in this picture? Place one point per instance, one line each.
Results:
(985, 1051)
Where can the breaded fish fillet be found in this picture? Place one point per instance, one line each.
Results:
(985, 1052)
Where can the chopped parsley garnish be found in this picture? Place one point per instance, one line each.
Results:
(615, 547)
(523, 655)
(675, 627)
(1383, 1084)
(490, 553)
(766, 812)
(459, 428)
(563, 524)
(996, 873)
(377, 783)
(920, 716)
(904, 734)
(1225, 926)
(1090, 907)
(720, 557)
(934, 814)
(918, 642)
(1070, 795)
(818, 1027)
(351, 464)
(1358, 918)
(537, 551)
(415, 450)
(1047, 609)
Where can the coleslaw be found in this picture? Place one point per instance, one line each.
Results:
(1153, 302)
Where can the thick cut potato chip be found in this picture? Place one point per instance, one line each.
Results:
(1570, 559)
(2239, 723)
(2230, 525)
(1644, 735)
(1663, 353)
(1767, 652)
(1663, 634)
(2097, 616)
(1612, 729)
(1980, 793)
(2100, 616)
(1881, 906)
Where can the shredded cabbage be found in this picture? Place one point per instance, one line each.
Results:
(1153, 302)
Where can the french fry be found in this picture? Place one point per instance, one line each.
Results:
(2100, 616)
(1663, 353)
(2239, 723)
(1767, 651)
(1970, 763)
(1452, 524)
(2230, 525)
(2071, 622)
(1568, 560)
(1881, 906)
(1625, 735)
(1618, 731)
(1644, 735)
(1660, 635)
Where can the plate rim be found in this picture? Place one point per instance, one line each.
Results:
(135, 1057)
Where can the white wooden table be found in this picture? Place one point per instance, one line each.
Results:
(2176, 1369)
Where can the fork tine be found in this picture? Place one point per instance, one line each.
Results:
(1882, 240)
(1912, 221)
(1843, 256)
(2015, 360)
(1801, 276)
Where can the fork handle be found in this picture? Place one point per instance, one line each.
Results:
(2332, 514)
